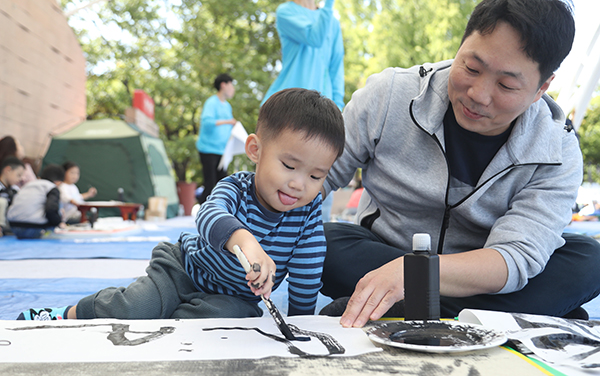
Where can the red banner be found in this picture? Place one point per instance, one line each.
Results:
(143, 102)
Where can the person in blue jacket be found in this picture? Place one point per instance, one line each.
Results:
(312, 50)
(312, 54)
(216, 123)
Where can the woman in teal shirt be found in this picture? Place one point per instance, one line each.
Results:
(216, 123)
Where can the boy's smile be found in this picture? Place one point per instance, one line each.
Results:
(290, 170)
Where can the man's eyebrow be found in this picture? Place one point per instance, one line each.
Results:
(517, 75)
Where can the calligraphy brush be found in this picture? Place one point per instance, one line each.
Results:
(283, 327)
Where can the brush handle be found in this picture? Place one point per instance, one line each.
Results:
(242, 258)
(283, 327)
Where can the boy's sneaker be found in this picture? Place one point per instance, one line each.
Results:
(44, 314)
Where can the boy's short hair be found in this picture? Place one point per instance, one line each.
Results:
(302, 110)
(546, 27)
(68, 164)
(12, 162)
(222, 78)
(53, 172)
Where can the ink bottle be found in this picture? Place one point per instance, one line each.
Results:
(421, 281)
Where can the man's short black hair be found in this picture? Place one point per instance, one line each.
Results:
(305, 111)
(546, 27)
(53, 172)
(13, 162)
(222, 78)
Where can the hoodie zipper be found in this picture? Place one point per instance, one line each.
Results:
(448, 207)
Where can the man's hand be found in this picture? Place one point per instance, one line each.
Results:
(375, 294)
(481, 271)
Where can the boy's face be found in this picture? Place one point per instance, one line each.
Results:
(290, 170)
(72, 175)
(12, 176)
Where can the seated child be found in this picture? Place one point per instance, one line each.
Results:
(274, 215)
(11, 171)
(36, 207)
(70, 195)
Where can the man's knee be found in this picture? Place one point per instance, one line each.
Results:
(582, 258)
(584, 246)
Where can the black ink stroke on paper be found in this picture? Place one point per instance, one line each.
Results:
(117, 335)
(331, 344)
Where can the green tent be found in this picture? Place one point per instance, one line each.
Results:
(113, 154)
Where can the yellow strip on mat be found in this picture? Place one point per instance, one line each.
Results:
(546, 369)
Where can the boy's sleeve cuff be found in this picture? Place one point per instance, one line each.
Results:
(223, 229)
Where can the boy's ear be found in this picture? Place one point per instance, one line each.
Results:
(253, 147)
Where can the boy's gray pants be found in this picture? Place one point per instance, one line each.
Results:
(165, 292)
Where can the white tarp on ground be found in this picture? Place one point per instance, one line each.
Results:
(105, 340)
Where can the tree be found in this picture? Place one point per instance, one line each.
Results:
(589, 140)
(174, 52)
(399, 33)
(174, 49)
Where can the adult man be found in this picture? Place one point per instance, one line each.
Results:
(475, 153)
(216, 123)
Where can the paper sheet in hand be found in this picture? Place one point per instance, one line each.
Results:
(104, 340)
(235, 145)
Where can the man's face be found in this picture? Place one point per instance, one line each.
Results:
(493, 81)
(228, 89)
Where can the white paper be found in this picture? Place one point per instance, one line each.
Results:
(573, 343)
(104, 340)
(235, 145)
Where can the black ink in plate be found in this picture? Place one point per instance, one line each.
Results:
(435, 336)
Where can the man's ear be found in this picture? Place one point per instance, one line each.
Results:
(253, 147)
(543, 88)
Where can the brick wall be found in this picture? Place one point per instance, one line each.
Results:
(42, 74)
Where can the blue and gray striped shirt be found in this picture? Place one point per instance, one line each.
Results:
(293, 239)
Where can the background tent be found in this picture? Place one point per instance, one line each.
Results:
(113, 154)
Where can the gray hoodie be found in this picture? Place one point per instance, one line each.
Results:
(521, 204)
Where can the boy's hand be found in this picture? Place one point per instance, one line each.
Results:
(261, 277)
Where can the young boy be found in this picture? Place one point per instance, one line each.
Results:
(36, 207)
(274, 215)
(11, 171)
